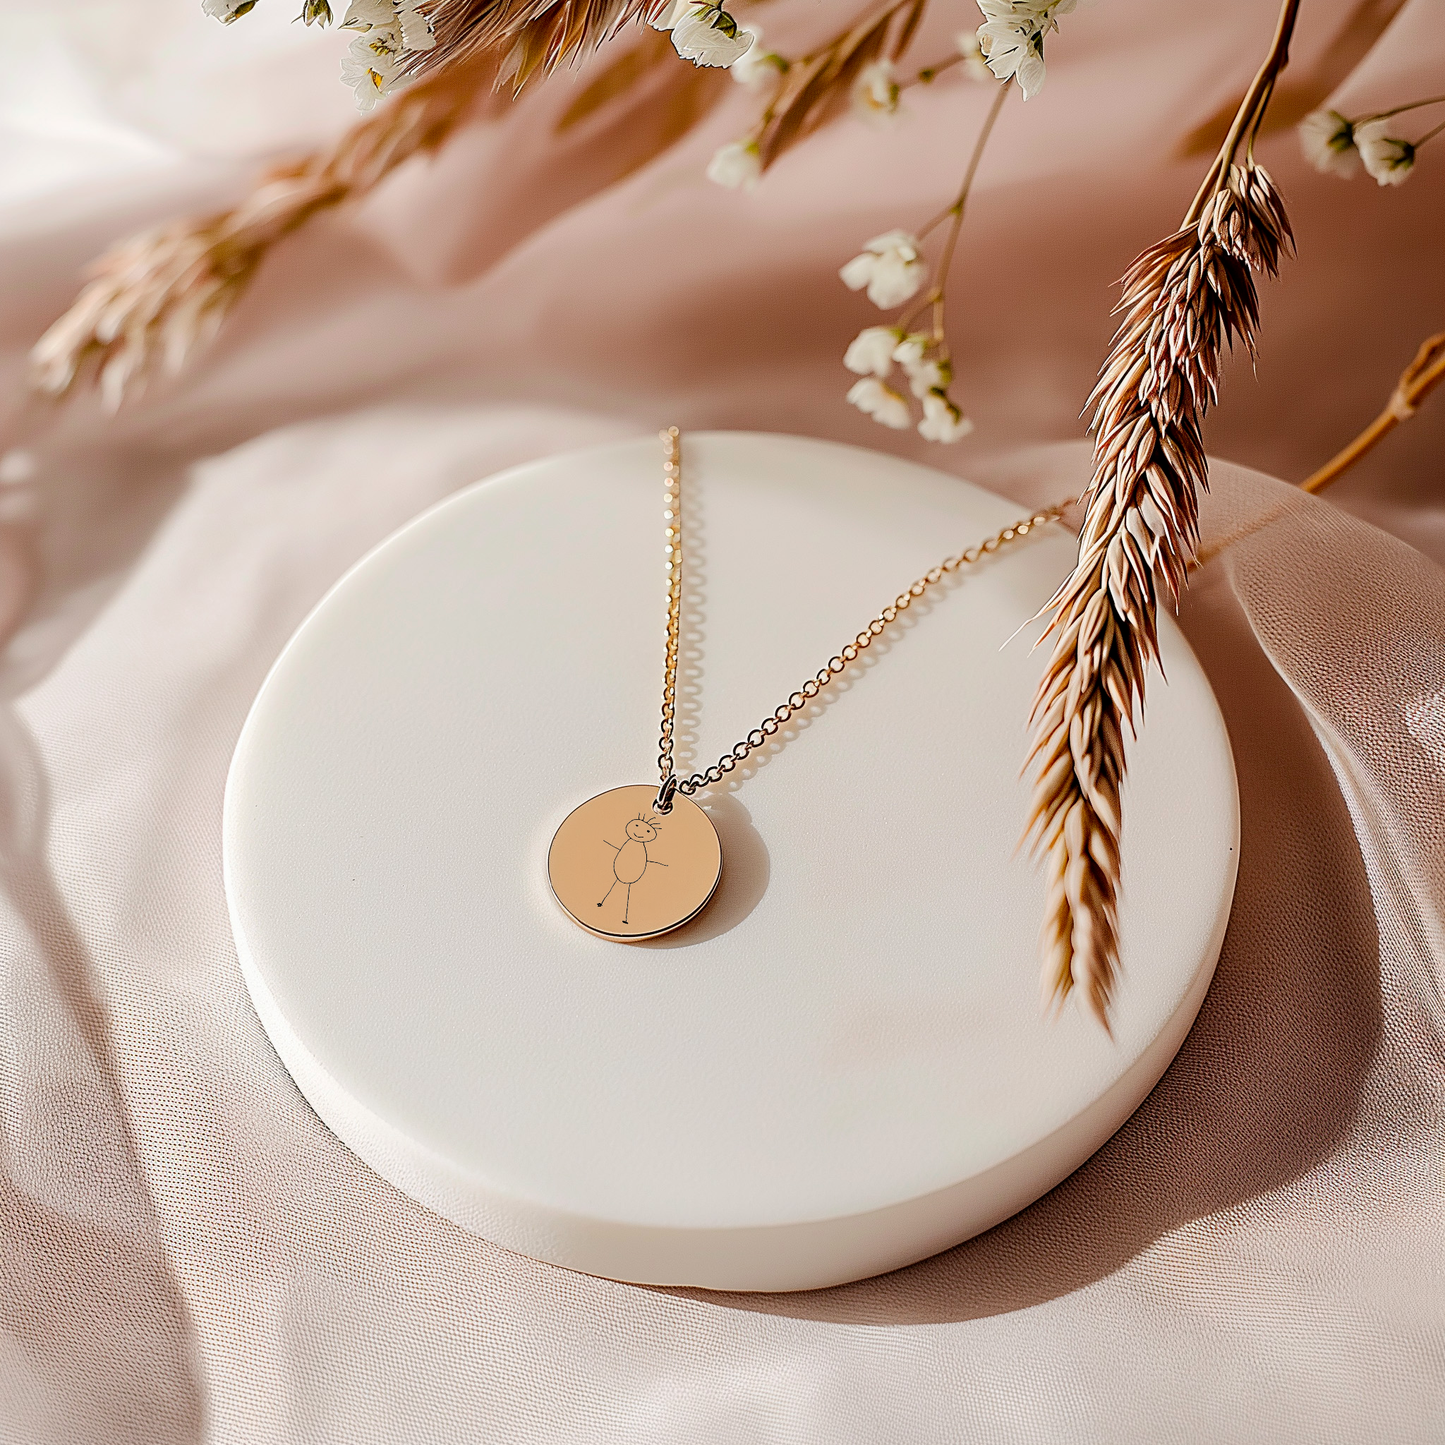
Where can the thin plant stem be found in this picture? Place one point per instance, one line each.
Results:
(954, 215)
(1399, 110)
(1416, 382)
(881, 12)
(930, 73)
(1251, 110)
(1429, 135)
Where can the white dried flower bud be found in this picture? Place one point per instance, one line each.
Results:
(875, 93)
(1011, 39)
(1328, 141)
(737, 165)
(889, 268)
(673, 14)
(372, 67)
(1388, 158)
(708, 35)
(912, 349)
(227, 10)
(757, 65)
(974, 65)
(942, 420)
(880, 402)
(933, 374)
(871, 352)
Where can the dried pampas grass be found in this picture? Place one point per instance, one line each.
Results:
(1184, 300)
(157, 297)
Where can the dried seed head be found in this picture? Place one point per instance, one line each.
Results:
(156, 299)
(1184, 300)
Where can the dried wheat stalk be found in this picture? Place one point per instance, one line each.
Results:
(1184, 300)
(156, 297)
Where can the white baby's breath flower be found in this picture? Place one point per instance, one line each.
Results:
(402, 20)
(1328, 141)
(874, 96)
(912, 348)
(372, 67)
(736, 165)
(1014, 52)
(1011, 39)
(889, 267)
(757, 65)
(674, 12)
(933, 374)
(974, 65)
(880, 402)
(1388, 158)
(925, 373)
(942, 420)
(227, 10)
(708, 35)
(872, 350)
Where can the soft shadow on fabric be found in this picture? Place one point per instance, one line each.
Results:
(94, 1306)
(1268, 1081)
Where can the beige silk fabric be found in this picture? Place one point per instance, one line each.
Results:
(187, 1254)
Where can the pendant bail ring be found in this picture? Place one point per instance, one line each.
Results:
(663, 802)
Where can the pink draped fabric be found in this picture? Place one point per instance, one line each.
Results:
(188, 1254)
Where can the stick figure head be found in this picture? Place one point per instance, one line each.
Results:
(642, 828)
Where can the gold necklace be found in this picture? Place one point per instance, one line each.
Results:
(638, 861)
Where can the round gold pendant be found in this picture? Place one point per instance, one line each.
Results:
(625, 871)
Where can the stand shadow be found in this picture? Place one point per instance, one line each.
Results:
(1267, 1083)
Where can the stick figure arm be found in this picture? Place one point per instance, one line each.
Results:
(653, 863)
(616, 847)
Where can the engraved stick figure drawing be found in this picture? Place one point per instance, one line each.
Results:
(631, 861)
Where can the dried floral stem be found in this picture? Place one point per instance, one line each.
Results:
(1184, 301)
(157, 297)
(1416, 382)
(1250, 115)
(1429, 135)
(930, 73)
(815, 85)
(1400, 109)
(954, 215)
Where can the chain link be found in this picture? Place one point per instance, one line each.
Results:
(672, 552)
(835, 666)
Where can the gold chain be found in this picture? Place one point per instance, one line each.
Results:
(672, 534)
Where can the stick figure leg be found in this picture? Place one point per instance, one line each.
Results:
(608, 894)
(628, 904)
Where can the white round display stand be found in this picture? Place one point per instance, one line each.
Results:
(840, 1066)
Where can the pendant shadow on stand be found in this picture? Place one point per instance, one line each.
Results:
(744, 880)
